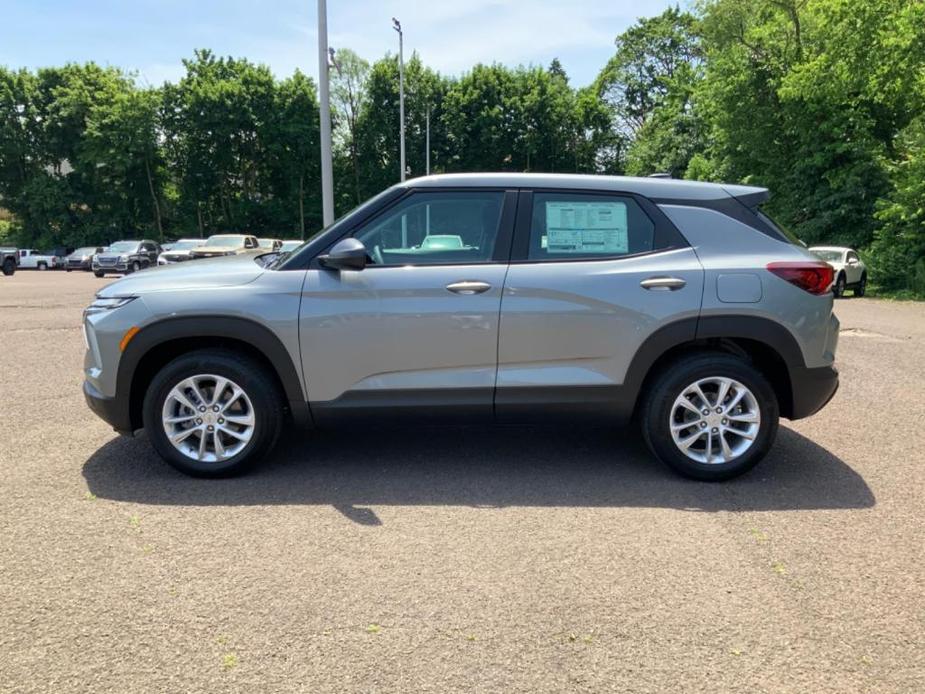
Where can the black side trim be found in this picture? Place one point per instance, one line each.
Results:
(762, 330)
(227, 327)
(413, 406)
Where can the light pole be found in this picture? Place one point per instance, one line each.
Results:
(327, 174)
(427, 143)
(396, 25)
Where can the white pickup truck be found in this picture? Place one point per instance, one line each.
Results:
(31, 259)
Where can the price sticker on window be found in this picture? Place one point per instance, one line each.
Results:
(586, 228)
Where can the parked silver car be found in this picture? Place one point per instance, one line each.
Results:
(544, 298)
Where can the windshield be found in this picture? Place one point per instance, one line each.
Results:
(123, 246)
(266, 243)
(184, 245)
(89, 250)
(225, 241)
(827, 256)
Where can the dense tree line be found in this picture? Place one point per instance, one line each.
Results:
(820, 100)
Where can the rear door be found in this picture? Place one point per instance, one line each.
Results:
(592, 276)
(414, 333)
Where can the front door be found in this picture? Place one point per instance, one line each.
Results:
(415, 333)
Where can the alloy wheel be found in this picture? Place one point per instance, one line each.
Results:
(208, 418)
(715, 420)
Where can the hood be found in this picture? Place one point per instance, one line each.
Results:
(228, 271)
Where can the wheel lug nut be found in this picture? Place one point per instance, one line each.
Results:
(198, 421)
(202, 408)
(215, 408)
(703, 425)
(221, 421)
(211, 427)
(714, 429)
(706, 412)
(725, 421)
(719, 410)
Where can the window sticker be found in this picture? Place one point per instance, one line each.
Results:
(586, 227)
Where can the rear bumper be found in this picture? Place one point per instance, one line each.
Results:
(111, 410)
(812, 389)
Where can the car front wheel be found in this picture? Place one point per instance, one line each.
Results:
(213, 413)
(710, 416)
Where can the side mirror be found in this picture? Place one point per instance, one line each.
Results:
(853, 261)
(346, 254)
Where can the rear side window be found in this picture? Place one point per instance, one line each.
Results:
(575, 226)
(784, 233)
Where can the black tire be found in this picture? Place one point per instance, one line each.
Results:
(656, 413)
(9, 267)
(42, 266)
(67, 269)
(839, 289)
(97, 273)
(134, 267)
(861, 288)
(250, 375)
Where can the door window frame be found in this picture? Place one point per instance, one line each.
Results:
(501, 253)
(666, 236)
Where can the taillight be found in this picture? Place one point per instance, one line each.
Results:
(812, 276)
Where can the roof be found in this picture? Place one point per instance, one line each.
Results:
(656, 188)
(830, 248)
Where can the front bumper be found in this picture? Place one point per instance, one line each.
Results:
(118, 267)
(113, 411)
(812, 389)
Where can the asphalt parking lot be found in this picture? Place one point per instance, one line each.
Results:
(459, 559)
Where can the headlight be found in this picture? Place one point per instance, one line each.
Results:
(99, 305)
(123, 258)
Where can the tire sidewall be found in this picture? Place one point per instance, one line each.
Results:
(839, 289)
(244, 372)
(861, 289)
(656, 428)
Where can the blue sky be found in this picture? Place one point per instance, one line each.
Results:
(151, 37)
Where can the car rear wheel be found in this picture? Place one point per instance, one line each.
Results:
(9, 267)
(711, 416)
(213, 413)
(43, 266)
(861, 289)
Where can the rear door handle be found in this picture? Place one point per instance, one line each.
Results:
(664, 284)
(468, 287)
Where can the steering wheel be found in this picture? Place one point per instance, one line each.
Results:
(377, 255)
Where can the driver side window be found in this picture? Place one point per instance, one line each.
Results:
(440, 228)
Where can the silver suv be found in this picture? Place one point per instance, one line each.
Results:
(503, 297)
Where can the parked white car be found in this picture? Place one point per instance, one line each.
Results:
(850, 270)
(31, 259)
(178, 252)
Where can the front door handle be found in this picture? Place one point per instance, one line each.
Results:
(664, 284)
(468, 287)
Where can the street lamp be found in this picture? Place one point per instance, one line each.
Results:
(396, 25)
(327, 168)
